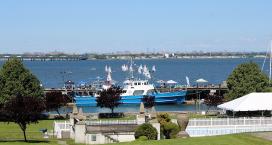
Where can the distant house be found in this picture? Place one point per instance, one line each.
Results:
(100, 131)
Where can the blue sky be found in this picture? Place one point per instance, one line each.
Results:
(78, 26)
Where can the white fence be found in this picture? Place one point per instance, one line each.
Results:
(221, 126)
(111, 122)
(61, 126)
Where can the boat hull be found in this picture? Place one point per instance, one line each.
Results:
(160, 98)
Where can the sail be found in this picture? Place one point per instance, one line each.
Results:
(188, 81)
(147, 75)
(145, 69)
(131, 68)
(109, 69)
(140, 69)
(153, 68)
(124, 67)
(106, 68)
(109, 79)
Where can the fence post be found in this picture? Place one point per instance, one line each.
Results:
(54, 126)
(244, 120)
(211, 122)
(195, 122)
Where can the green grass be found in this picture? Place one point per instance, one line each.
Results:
(13, 131)
(237, 139)
(10, 134)
(194, 115)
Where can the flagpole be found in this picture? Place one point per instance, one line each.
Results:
(270, 62)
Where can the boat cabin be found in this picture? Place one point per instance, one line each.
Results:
(137, 87)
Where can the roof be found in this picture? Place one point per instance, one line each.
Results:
(201, 80)
(115, 128)
(249, 102)
(171, 82)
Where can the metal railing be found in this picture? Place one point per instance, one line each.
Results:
(221, 126)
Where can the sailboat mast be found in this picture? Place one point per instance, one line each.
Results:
(131, 68)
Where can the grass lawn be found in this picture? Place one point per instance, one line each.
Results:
(10, 134)
(194, 115)
(237, 139)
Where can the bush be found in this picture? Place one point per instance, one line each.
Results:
(170, 130)
(163, 117)
(147, 130)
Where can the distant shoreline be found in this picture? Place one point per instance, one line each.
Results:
(135, 58)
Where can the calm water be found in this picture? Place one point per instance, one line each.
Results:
(213, 70)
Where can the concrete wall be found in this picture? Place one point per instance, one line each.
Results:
(158, 127)
(101, 139)
(80, 130)
(124, 138)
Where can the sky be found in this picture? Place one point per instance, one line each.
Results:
(79, 26)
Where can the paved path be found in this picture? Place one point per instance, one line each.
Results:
(264, 135)
(62, 142)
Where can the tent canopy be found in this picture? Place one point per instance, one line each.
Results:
(201, 81)
(171, 82)
(249, 102)
(161, 81)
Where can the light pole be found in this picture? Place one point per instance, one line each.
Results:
(198, 93)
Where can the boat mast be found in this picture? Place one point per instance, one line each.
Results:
(131, 68)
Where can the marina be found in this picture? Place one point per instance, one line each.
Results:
(215, 71)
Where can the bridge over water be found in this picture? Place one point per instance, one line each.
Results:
(45, 57)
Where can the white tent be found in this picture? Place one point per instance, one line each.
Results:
(201, 81)
(171, 82)
(161, 81)
(249, 102)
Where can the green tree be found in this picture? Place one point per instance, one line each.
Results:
(21, 95)
(23, 110)
(55, 100)
(246, 78)
(147, 130)
(110, 98)
(149, 101)
(213, 100)
(15, 78)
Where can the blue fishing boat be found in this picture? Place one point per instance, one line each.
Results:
(135, 89)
